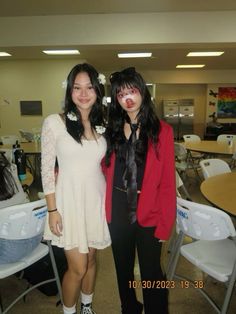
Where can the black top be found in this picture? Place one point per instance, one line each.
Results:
(120, 169)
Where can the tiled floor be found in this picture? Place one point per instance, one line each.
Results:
(182, 300)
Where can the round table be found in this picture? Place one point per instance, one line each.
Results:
(211, 147)
(220, 190)
(28, 147)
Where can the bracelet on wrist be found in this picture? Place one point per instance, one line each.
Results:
(52, 210)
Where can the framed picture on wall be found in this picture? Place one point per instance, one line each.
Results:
(31, 108)
(226, 105)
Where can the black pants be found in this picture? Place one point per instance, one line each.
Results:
(125, 239)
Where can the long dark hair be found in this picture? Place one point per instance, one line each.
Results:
(96, 117)
(146, 118)
(8, 186)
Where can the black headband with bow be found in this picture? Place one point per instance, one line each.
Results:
(120, 75)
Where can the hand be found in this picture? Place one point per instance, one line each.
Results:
(55, 223)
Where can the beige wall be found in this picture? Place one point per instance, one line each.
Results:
(42, 80)
(30, 80)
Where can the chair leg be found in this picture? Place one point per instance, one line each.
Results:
(190, 160)
(172, 252)
(229, 291)
(174, 257)
(1, 307)
(54, 266)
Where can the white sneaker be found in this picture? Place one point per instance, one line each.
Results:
(86, 309)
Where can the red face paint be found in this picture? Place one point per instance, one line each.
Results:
(129, 102)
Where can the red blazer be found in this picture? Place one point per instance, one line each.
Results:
(157, 200)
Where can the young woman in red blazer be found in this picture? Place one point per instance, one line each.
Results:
(140, 197)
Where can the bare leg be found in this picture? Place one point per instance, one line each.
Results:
(88, 281)
(71, 284)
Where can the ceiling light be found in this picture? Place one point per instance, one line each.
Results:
(135, 55)
(4, 54)
(186, 66)
(62, 52)
(205, 54)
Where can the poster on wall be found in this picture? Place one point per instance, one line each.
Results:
(226, 104)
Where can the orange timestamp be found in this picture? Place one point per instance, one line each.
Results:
(152, 284)
(198, 284)
(165, 284)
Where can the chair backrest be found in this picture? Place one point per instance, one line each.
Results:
(9, 139)
(181, 190)
(180, 151)
(226, 137)
(178, 180)
(203, 222)
(214, 166)
(23, 221)
(20, 197)
(191, 138)
(7, 153)
(28, 136)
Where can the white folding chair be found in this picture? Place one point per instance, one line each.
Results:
(182, 192)
(26, 135)
(213, 252)
(7, 153)
(193, 138)
(25, 221)
(226, 137)
(182, 162)
(213, 166)
(9, 139)
(230, 139)
(233, 161)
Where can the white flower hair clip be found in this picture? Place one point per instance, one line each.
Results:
(64, 84)
(100, 129)
(104, 101)
(72, 116)
(101, 79)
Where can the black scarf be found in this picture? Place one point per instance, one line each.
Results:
(130, 174)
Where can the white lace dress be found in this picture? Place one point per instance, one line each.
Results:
(79, 188)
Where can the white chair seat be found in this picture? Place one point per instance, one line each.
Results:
(37, 254)
(9, 269)
(216, 258)
(6, 271)
(25, 221)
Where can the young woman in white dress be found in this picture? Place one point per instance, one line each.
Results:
(75, 194)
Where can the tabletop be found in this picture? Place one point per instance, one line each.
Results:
(220, 190)
(212, 147)
(28, 147)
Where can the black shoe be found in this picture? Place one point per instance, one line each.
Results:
(86, 309)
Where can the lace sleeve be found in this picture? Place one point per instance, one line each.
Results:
(48, 156)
